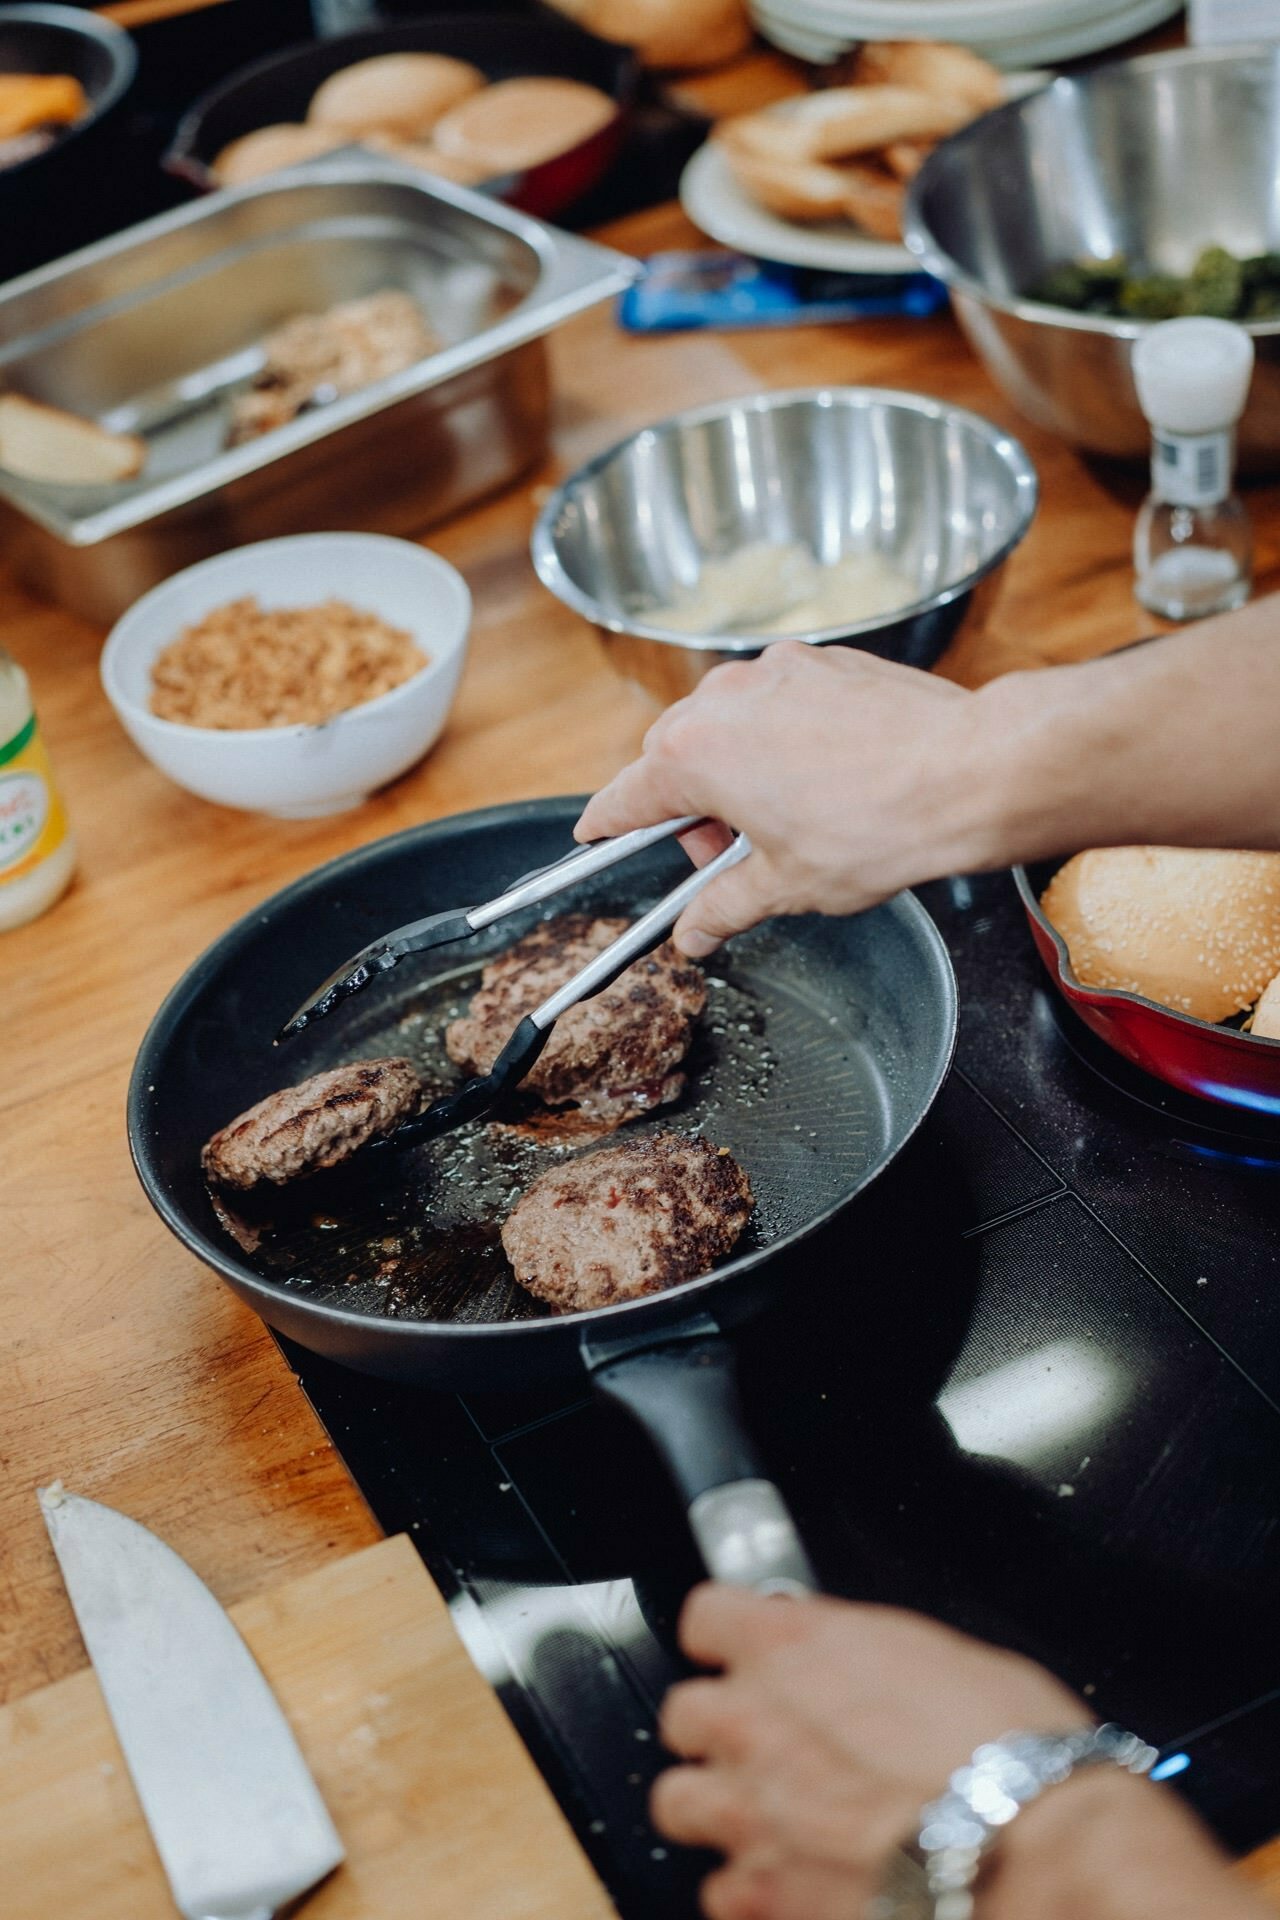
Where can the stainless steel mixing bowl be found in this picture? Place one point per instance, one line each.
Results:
(942, 494)
(1155, 159)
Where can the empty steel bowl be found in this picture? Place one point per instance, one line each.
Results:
(1155, 159)
(941, 494)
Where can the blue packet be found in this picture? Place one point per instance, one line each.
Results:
(685, 290)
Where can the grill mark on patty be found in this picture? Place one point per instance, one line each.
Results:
(614, 1056)
(317, 1124)
(634, 1219)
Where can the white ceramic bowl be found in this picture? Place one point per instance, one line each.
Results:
(296, 772)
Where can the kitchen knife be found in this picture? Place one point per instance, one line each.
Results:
(237, 1820)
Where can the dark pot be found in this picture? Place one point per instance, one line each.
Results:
(52, 202)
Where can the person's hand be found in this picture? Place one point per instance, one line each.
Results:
(828, 1727)
(851, 777)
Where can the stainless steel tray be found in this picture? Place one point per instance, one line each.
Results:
(153, 330)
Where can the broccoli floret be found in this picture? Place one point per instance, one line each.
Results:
(1062, 287)
(1220, 284)
(1084, 285)
(1261, 270)
(1152, 296)
(1263, 304)
(1215, 285)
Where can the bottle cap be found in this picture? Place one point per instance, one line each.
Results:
(1193, 375)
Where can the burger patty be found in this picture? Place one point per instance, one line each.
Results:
(633, 1219)
(314, 1125)
(618, 1054)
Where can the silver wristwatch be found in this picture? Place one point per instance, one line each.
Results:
(934, 1879)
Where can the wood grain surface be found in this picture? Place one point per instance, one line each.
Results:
(430, 1787)
(125, 1368)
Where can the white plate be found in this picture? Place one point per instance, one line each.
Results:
(945, 18)
(823, 32)
(714, 201)
(1097, 36)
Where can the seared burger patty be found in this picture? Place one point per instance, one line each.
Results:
(313, 1125)
(618, 1054)
(633, 1219)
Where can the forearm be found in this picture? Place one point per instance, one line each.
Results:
(1173, 743)
(1107, 1847)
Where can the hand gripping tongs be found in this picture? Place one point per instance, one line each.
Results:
(476, 1096)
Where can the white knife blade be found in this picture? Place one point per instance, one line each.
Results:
(237, 1820)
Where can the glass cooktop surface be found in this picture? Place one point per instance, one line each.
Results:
(1029, 1383)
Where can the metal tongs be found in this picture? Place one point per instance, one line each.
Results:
(476, 1096)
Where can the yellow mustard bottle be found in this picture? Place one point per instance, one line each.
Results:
(37, 848)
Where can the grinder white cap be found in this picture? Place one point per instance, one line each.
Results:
(1193, 375)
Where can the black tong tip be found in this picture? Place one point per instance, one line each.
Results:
(347, 980)
(437, 930)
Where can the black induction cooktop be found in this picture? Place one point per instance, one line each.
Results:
(1029, 1383)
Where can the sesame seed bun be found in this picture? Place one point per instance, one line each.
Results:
(667, 33)
(268, 148)
(427, 157)
(520, 123)
(396, 93)
(1198, 931)
(1266, 1015)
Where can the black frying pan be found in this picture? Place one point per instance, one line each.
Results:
(503, 46)
(824, 1043)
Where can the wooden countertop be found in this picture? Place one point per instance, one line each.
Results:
(126, 1368)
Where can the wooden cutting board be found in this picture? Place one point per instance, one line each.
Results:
(437, 1801)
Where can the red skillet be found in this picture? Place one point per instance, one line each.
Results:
(1214, 1062)
(501, 45)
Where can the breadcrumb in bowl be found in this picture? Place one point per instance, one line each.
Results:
(245, 665)
(382, 625)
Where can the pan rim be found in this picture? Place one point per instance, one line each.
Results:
(406, 1331)
(1073, 988)
(185, 155)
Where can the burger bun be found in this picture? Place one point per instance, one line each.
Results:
(667, 33)
(1266, 1015)
(1194, 930)
(403, 94)
(517, 124)
(267, 149)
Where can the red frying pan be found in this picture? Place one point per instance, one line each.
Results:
(1213, 1062)
(503, 46)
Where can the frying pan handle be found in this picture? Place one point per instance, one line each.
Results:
(683, 1390)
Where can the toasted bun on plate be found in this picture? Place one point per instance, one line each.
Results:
(46, 443)
(1266, 1015)
(517, 124)
(841, 121)
(823, 190)
(667, 33)
(268, 148)
(934, 67)
(904, 158)
(397, 93)
(1196, 930)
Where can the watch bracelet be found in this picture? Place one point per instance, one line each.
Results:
(957, 1830)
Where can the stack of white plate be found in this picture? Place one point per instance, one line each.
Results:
(1011, 33)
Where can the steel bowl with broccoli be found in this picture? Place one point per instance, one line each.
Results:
(1066, 222)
